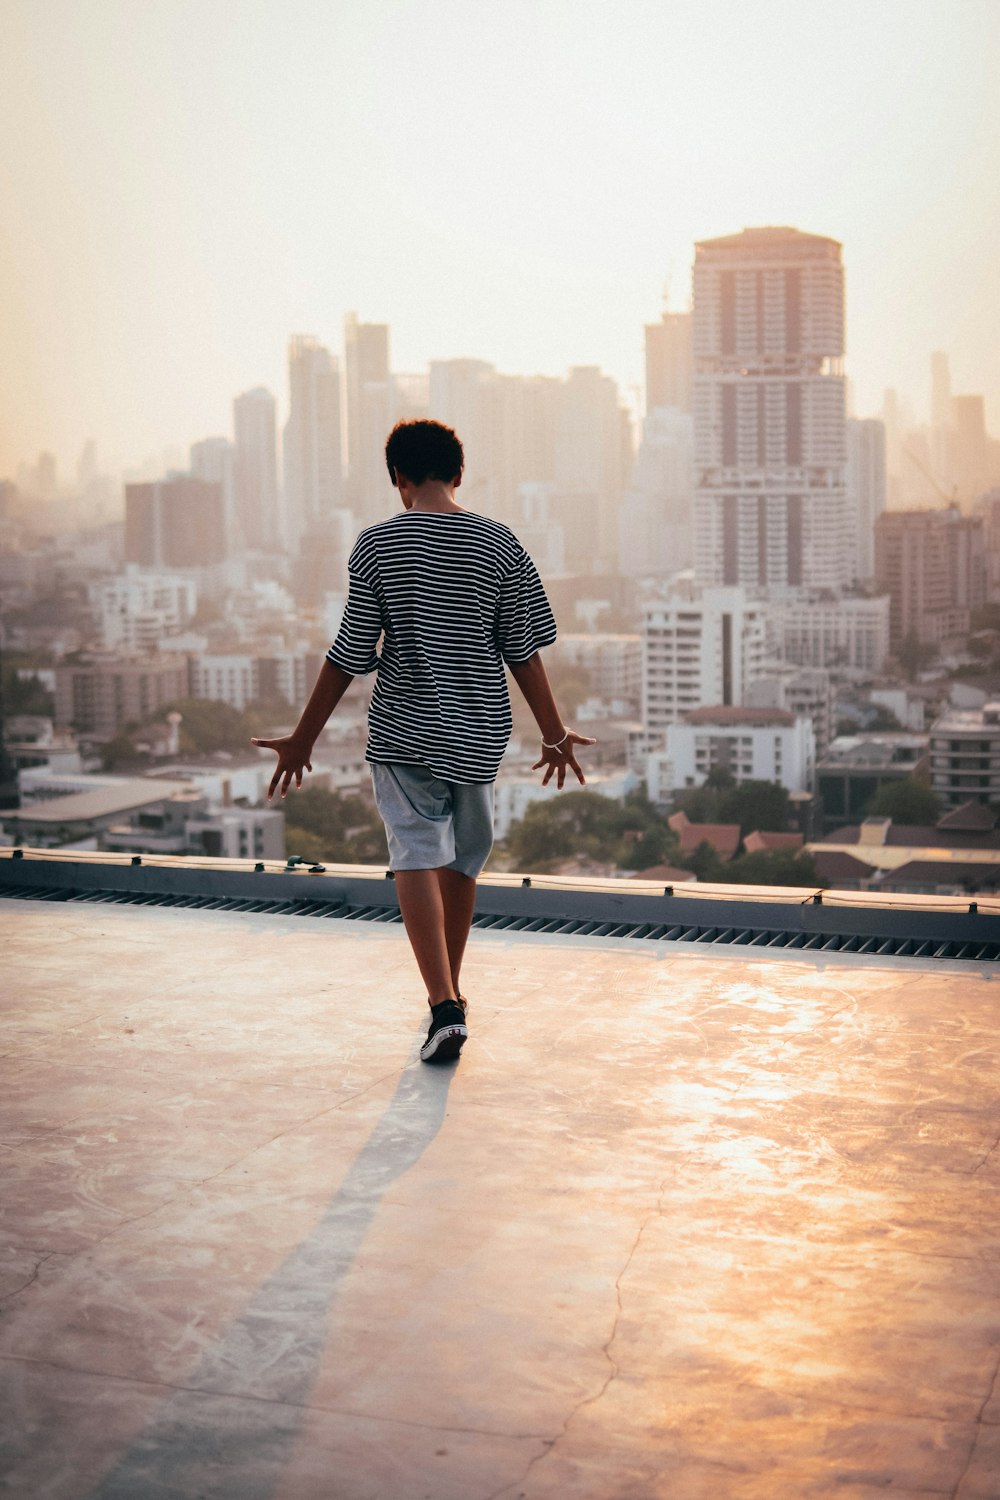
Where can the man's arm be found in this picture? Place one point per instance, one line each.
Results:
(557, 741)
(294, 751)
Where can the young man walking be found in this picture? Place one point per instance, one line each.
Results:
(454, 597)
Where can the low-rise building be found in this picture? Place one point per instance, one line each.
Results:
(612, 661)
(514, 793)
(99, 697)
(752, 744)
(856, 765)
(965, 755)
(829, 630)
(959, 854)
(139, 607)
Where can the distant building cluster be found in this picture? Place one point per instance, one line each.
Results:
(752, 582)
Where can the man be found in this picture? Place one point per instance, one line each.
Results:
(454, 597)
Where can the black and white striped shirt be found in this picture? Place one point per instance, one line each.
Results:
(454, 595)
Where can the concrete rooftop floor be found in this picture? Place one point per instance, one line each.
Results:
(679, 1224)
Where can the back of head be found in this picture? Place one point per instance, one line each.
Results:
(422, 450)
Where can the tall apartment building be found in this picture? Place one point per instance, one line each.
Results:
(820, 630)
(656, 516)
(769, 411)
(214, 460)
(100, 697)
(314, 480)
(371, 411)
(699, 646)
(593, 452)
(669, 362)
(137, 608)
(255, 428)
(932, 564)
(866, 491)
(178, 522)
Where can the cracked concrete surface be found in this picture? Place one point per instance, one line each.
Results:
(697, 1225)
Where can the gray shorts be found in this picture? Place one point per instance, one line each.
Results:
(433, 824)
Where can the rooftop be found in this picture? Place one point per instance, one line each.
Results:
(104, 801)
(731, 714)
(688, 1218)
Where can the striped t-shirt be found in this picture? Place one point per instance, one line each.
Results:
(454, 595)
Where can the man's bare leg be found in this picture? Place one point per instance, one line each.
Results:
(458, 897)
(422, 905)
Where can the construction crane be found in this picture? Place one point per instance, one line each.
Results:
(951, 499)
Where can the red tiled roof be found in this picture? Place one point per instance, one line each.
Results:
(832, 866)
(761, 839)
(973, 875)
(723, 837)
(969, 817)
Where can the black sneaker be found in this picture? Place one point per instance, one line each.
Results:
(447, 1033)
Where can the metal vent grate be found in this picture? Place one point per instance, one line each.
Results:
(972, 949)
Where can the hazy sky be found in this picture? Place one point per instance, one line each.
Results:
(184, 183)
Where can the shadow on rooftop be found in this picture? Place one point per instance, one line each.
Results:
(230, 1432)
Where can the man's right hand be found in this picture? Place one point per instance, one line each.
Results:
(293, 759)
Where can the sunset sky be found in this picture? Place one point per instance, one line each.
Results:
(187, 182)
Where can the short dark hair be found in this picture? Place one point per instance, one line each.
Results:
(422, 450)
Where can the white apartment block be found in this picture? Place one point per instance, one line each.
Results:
(514, 794)
(699, 645)
(139, 607)
(225, 677)
(243, 677)
(770, 502)
(612, 661)
(804, 691)
(762, 744)
(823, 631)
(965, 755)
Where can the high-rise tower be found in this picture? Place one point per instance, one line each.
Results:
(314, 480)
(370, 414)
(770, 427)
(255, 431)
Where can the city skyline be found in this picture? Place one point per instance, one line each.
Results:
(174, 220)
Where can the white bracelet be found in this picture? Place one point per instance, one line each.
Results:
(557, 743)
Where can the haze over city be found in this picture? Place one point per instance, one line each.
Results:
(186, 186)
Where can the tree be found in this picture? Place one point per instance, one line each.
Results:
(907, 801)
(337, 826)
(583, 825)
(705, 862)
(26, 695)
(772, 867)
(755, 805)
(913, 655)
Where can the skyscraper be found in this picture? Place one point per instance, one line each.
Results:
(932, 564)
(866, 491)
(255, 431)
(669, 362)
(314, 480)
(214, 460)
(370, 407)
(770, 445)
(177, 522)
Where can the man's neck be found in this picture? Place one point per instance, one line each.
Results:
(433, 496)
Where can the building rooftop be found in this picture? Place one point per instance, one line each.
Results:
(687, 1219)
(104, 801)
(770, 238)
(731, 714)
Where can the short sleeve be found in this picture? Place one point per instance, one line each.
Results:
(354, 649)
(524, 619)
